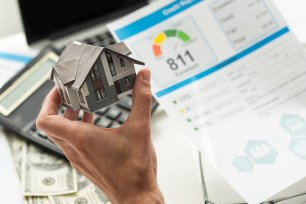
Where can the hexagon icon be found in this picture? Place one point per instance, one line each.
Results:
(261, 152)
(298, 147)
(243, 164)
(293, 124)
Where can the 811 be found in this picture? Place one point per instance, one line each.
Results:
(182, 59)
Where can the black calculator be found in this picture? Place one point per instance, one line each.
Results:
(21, 99)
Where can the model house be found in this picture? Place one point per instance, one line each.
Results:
(90, 77)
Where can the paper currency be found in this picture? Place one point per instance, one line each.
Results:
(88, 194)
(27, 200)
(49, 179)
(45, 174)
(38, 200)
(17, 148)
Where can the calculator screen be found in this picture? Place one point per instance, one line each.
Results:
(26, 84)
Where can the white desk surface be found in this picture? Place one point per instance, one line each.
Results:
(178, 166)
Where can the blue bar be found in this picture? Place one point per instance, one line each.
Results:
(224, 63)
(154, 18)
(13, 57)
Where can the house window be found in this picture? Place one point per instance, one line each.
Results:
(81, 97)
(103, 93)
(100, 94)
(95, 74)
(112, 69)
(92, 75)
(122, 62)
(110, 63)
(127, 81)
(108, 56)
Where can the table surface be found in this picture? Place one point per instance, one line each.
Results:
(178, 162)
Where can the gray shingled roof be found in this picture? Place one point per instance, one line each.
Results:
(77, 60)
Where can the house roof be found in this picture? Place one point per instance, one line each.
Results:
(77, 60)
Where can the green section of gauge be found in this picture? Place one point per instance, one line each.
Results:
(177, 33)
(183, 36)
(170, 33)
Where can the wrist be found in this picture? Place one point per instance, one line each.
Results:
(153, 197)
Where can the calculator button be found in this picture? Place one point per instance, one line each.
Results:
(123, 118)
(102, 111)
(104, 122)
(125, 103)
(115, 125)
(113, 113)
(42, 135)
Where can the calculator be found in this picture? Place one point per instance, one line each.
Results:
(22, 96)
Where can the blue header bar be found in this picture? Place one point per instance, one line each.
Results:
(224, 63)
(155, 18)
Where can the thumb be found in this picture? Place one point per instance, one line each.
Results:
(142, 97)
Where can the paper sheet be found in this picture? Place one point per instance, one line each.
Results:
(14, 55)
(9, 183)
(232, 75)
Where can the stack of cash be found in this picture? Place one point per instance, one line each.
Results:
(46, 178)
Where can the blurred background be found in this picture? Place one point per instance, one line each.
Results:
(293, 11)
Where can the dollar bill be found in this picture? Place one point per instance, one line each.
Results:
(45, 174)
(38, 200)
(88, 194)
(27, 200)
(17, 147)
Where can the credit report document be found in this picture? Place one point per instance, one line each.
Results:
(233, 77)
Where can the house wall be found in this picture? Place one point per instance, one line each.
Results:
(121, 72)
(106, 69)
(75, 105)
(127, 70)
(56, 80)
(122, 85)
(84, 91)
(61, 89)
(83, 105)
(72, 101)
(111, 95)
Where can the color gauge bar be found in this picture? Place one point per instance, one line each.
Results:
(162, 36)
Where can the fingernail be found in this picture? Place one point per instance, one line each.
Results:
(146, 75)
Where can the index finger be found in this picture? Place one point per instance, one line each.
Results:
(54, 125)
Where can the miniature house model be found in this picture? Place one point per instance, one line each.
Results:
(90, 77)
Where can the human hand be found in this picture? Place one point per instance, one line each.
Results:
(120, 161)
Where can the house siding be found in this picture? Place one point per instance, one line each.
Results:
(84, 102)
(127, 70)
(111, 96)
(107, 71)
(67, 94)
(122, 85)
(84, 108)
(74, 101)
(129, 65)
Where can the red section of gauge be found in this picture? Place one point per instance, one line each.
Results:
(157, 50)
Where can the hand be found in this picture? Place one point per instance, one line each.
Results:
(120, 161)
